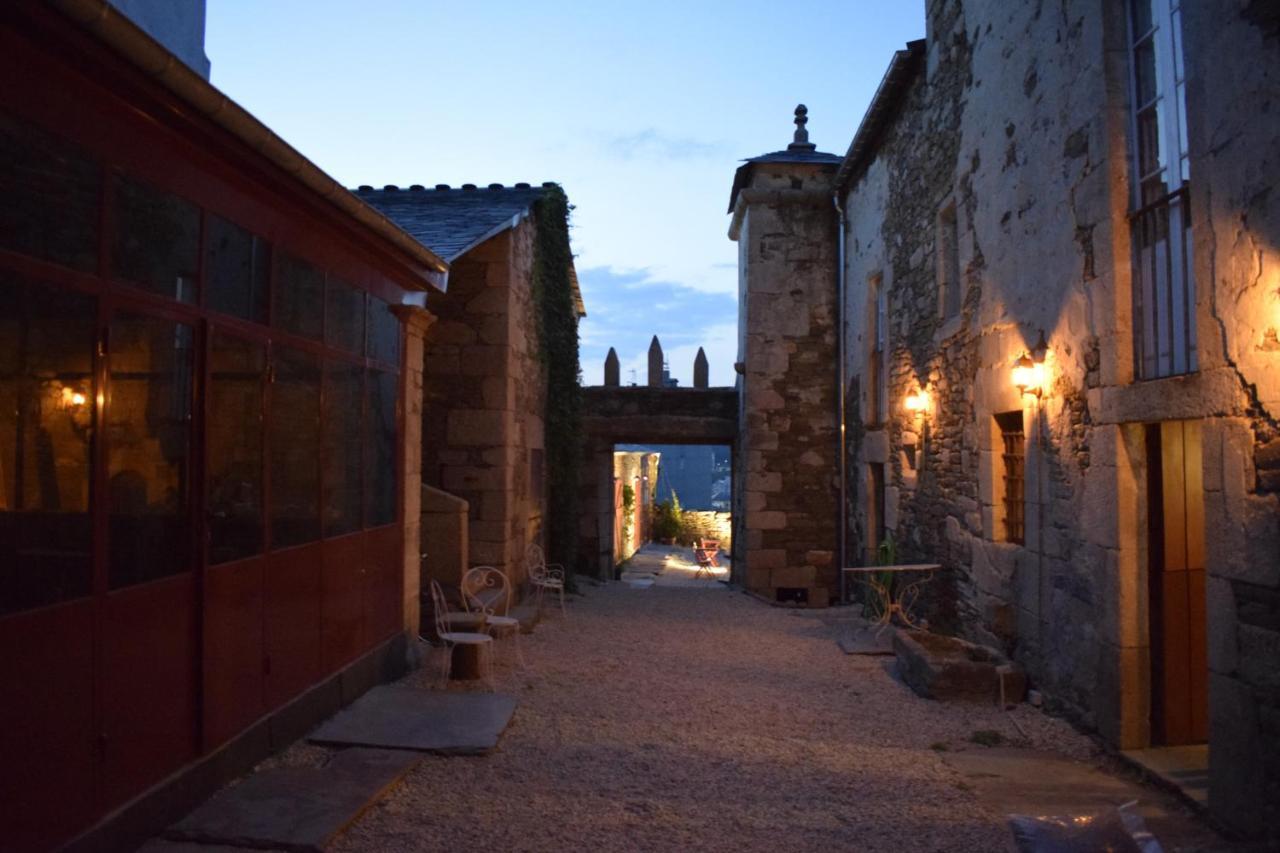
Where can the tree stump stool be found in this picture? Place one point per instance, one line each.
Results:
(467, 662)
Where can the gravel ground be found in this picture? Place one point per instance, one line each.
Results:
(701, 719)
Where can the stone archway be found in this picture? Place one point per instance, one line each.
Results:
(614, 415)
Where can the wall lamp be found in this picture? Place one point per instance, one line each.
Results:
(917, 402)
(1028, 370)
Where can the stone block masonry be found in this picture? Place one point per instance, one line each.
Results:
(783, 221)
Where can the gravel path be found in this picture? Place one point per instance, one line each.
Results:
(701, 719)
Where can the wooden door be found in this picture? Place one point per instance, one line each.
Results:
(1176, 585)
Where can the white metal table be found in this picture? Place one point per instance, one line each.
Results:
(893, 601)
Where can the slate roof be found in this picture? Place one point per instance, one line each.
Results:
(452, 221)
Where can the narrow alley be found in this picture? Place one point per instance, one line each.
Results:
(697, 718)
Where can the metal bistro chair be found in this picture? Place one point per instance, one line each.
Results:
(451, 639)
(544, 577)
(487, 591)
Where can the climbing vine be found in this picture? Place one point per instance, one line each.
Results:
(558, 351)
(628, 512)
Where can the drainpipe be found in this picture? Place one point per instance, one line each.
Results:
(842, 523)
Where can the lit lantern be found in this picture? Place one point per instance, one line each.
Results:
(917, 402)
(1028, 370)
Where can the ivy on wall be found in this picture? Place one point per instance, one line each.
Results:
(558, 351)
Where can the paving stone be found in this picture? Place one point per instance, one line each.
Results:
(1034, 782)
(408, 718)
(296, 808)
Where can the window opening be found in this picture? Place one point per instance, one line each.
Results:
(1164, 292)
(1013, 454)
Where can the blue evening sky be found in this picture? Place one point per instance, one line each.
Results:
(641, 110)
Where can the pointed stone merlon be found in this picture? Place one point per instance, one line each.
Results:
(612, 371)
(655, 363)
(700, 369)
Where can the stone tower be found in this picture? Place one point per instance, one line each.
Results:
(784, 221)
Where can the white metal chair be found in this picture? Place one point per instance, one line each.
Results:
(487, 591)
(451, 639)
(544, 577)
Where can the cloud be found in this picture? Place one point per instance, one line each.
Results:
(650, 144)
(626, 308)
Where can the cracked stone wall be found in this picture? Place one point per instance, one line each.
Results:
(1019, 120)
(485, 392)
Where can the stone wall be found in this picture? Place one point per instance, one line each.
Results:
(709, 524)
(1019, 122)
(485, 397)
(1233, 68)
(784, 223)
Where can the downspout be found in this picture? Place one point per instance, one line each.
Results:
(842, 522)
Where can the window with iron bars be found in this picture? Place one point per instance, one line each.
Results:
(1014, 456)
(1164, 291)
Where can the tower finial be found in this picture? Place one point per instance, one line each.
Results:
(801, 141)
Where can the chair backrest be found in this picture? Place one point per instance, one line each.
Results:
(535, 564)
(485, 589)
(439, 608)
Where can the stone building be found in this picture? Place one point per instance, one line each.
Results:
(785, 504)
(636, 469)
(1061, 297)
(483, 437)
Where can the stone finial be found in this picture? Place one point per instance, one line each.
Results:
(801, 141)
(655, 363)
(700, 369)
(612, 370)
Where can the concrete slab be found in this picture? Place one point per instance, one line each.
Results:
(296, 808)
(442, 722)
(1033, 782)
(1183, 768)
(868, 641)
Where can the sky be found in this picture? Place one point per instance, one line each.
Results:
(640, 110)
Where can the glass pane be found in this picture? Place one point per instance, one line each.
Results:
(48, 197)
(1151, 153)
(298, 297)
(237, 369)
(384, 332)
(380, 426)
(343, 465)
(1144, 71)
(1176, 30)
(1141, 11)
(345, 323)
(155, 240)
(295, 449)
(46, 427)
(237, 264)
(149, 448)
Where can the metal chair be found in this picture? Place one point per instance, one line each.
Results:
(544, 577)
(452, 639)
(487, 591)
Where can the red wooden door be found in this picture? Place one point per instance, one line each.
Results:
(148, 669)
(1179, 683)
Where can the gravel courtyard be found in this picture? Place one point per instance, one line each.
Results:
(676, 718)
